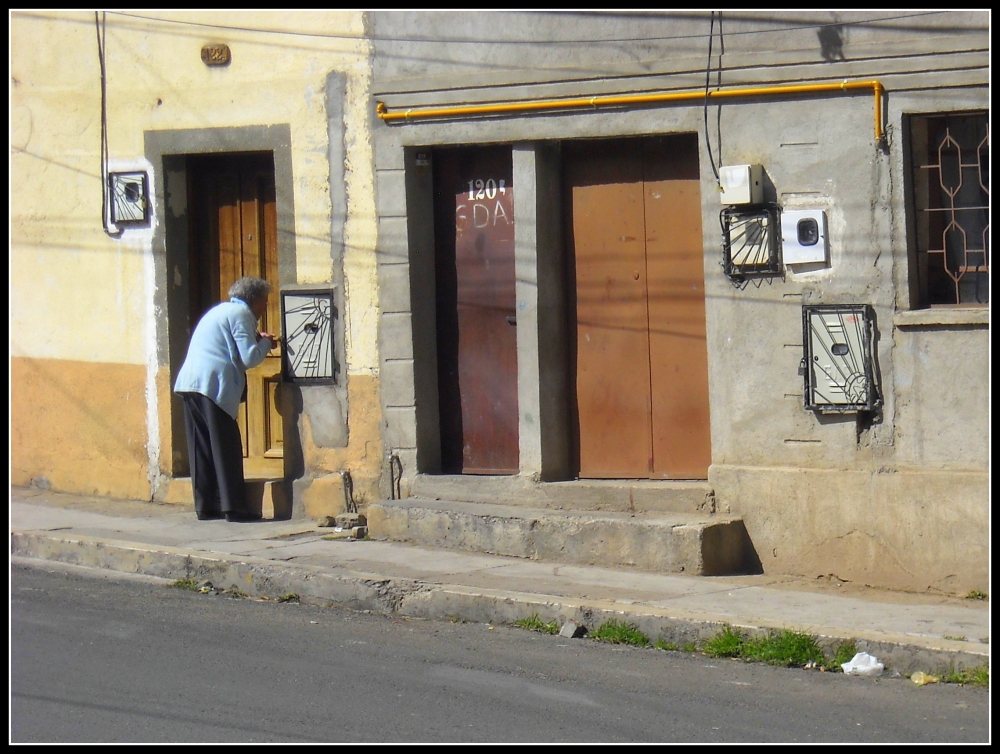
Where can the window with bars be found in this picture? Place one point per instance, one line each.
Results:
(950, 199)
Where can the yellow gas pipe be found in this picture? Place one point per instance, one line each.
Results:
(634, 99)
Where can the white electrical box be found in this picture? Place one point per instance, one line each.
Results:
(742, 184)
(803, 236)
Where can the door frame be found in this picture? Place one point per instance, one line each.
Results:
(408, 326)
(167, 152)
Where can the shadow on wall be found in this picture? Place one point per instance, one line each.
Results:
(831, 43)
(290, 408)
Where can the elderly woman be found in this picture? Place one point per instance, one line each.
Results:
(211, 381)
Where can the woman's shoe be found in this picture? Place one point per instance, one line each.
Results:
(242, 518)
(214, 516)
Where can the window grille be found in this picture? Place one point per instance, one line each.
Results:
(951, 199)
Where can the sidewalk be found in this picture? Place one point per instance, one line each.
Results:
(907, 632)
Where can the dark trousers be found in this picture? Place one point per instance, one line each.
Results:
(215, 450)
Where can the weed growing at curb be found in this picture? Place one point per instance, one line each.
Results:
(978, 676)
(534, 623)
(290, 597)
(975, 594)
(237, 592)
(845, 653)
(620, 632)
(788, 648)
(189, 584)
(689, 647)
(726, 643)
(665, 645)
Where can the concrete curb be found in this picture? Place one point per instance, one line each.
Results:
(259, 577)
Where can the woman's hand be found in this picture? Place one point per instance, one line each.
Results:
(272, 338)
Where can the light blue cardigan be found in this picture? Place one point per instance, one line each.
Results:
(223, 347)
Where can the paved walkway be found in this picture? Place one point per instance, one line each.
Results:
(907, 632)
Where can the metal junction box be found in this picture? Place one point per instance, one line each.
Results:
(839, 360)
(742, 184)
(803, 236)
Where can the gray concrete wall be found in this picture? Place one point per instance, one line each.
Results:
(819, 151)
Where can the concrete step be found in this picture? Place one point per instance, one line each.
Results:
(269, 497)
(663, 543)
(622, 495)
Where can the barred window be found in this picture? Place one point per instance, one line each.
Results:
(951, 203)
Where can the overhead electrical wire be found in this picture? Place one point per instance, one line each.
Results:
(708, 78)
(102, 37)
(440, 40)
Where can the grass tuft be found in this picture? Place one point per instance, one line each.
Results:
(726, 643)
(620, 632)
(668, 646)
(534, 623)
(975, 594)
(290, 597)
(189, 584)
(978, 676)
(788, 648)
(844, 653)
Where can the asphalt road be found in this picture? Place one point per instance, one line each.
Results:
(99, 659)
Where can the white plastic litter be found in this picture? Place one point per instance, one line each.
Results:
(864, 665)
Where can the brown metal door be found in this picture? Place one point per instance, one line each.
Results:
(234, 234)
(477, 337)
(612, 337)
(678, 351)
(641, 357)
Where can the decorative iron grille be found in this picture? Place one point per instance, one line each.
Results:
(129, 198)
(751, 244)
(838, 359)
(950, 158)
(307, 317)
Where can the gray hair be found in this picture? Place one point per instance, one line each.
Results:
(250, 289)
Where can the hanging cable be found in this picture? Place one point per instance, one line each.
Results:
(708, 81)
(718, 85)
(102, 34)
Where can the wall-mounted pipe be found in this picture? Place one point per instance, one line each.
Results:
(633, 99)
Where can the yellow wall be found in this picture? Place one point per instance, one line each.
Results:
(80, 426)
(84, 299)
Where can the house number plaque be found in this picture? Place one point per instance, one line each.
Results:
(215, 55)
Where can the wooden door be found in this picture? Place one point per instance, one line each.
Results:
(476, 318)
(640, 360)
(233, 234)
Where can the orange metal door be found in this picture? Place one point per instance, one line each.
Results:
(612, 338)
(678, 351)
(641, 356)
(476, 318)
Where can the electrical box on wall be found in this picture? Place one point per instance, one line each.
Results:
(750, 242)
(742, 184)
(803, 236)
(129, 198)
(307, 320)
(839, 363)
